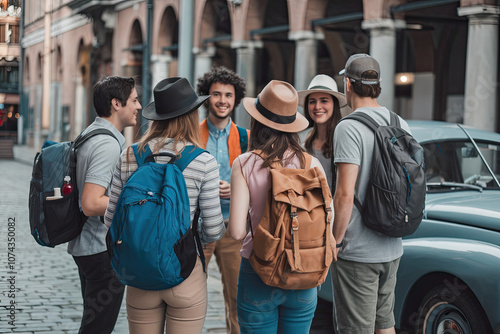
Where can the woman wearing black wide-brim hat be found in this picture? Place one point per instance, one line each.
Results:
(175, 125)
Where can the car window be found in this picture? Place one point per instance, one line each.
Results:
(491, 153)
(459, 162)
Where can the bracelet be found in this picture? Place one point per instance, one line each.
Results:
(341, 244)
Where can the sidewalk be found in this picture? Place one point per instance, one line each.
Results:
(42, 283)
(24, 154)
(47, 291)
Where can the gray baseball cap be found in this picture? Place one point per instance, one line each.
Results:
(358, 64)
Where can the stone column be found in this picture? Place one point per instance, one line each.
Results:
(159, 69)
(383, 48)
(246, 59)
(305, 58)
(202, 64)
(481, 66)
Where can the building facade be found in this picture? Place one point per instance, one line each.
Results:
(439, 58)
(10, 60)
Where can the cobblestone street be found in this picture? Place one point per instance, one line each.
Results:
(39, 286)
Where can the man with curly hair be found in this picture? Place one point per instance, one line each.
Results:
(225, 141)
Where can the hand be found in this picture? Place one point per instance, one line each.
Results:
(336, 251)
(224, 189)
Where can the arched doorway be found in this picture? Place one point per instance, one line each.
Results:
(82, 82)
(165, 56)
(216, 33)
(56, 123)
(133, 68)
(276, 58)
(432, 49)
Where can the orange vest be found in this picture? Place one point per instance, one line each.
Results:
(233, 141)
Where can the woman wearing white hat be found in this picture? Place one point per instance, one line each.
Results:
(175, 125)
(275, 124)
(323, 106)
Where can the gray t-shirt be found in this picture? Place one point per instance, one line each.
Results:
(96, 160)
(326, 163)
(353, 144)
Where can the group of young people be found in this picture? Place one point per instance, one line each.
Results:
(229, 184)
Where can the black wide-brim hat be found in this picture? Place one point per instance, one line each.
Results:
(173, 97)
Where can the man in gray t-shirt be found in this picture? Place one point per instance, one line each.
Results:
(364, 276)
(116, 104)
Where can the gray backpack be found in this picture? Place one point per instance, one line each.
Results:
(395, 196)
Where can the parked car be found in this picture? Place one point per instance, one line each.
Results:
(449, 276)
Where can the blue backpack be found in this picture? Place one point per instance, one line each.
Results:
(151, 243)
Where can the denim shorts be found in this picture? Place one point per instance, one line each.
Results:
(265, 309)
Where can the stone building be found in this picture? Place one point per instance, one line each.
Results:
(10, 58)
(439, 58)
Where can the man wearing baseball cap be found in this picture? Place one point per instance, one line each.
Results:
(364, 277)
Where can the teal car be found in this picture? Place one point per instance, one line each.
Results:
(449, 276)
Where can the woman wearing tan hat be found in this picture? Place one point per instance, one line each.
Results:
(322, 104)
(175, 125)
(274, 127)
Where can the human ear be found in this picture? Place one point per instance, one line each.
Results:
(115, 104)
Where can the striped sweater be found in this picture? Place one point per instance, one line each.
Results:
(202, 182)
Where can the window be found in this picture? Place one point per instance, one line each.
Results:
(13, 30)
(9, 76)
(3, 33)
(14, 36)
(458, 163)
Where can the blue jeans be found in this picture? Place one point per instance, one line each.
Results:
(265, 309)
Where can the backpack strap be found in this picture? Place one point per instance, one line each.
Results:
(277, 164)
(141, 158)
(370, 122)
(363, 118)
(189, 153)
(243, 138)
(394, 119)
(83, 138)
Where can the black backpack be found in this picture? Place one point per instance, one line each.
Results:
(395, 196)
(54, 222)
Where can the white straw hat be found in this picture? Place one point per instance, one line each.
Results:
(323, 83)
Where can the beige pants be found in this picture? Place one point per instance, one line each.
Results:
(183, 308)
(227, 254)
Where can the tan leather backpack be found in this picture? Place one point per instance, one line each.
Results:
(293, 245)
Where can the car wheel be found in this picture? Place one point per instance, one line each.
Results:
(451, 311)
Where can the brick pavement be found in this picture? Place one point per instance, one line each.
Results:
(42, 284)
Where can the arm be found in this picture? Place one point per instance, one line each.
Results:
(315, 163)
(114, 193)
(101, 163)
(343, 200)
(212, 225)
(94, 200)
(238, 209)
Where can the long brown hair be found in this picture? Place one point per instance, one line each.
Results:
(332, 122)
(274, 144)
(183, 128)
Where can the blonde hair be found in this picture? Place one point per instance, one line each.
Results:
(183, 128)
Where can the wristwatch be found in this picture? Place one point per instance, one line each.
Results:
(341, 244)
